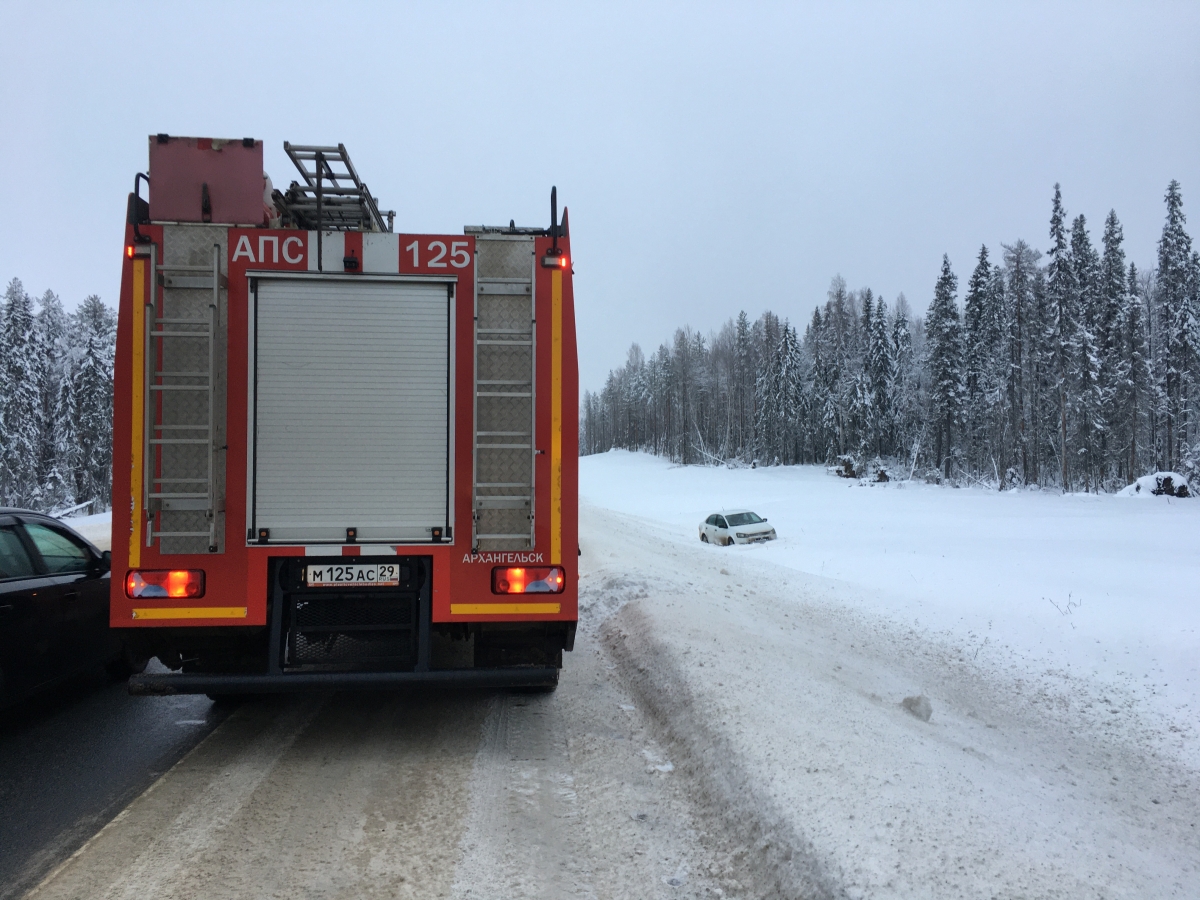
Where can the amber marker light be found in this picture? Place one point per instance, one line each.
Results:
(173, 584)
(534, 580)
(129, 251)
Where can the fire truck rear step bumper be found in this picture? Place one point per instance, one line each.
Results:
(185, 683)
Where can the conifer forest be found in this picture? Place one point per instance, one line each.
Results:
(56, 392)
(1062, 365)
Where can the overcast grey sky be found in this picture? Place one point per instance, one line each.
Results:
(713, 158)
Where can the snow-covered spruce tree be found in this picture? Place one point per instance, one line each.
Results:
(1020, 266)
(1109, 345)
(1177, 323)
(977, 352)
(1112, 288)
(818, 389)
(907, 398)
(995, 375)
(855, 389)
(1088, 410)
(1086, 390)
(93, 386)
(838, 324)
(744, 386)
(60, 486)
(791, 369)
(21, 410)
(1062, 300)
(879, 365)
(769, 399)
(56, 361)
(1085, 264)
(944, 362)
(1131, 379)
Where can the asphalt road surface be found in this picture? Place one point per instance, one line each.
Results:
(473, 795)
(72, 759)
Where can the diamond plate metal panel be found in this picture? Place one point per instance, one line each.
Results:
(184, 468)
(504, 256)
(500, 363)
(504, 371)
(501, 311)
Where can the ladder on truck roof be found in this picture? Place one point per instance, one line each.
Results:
(332, 196)
(179, 413)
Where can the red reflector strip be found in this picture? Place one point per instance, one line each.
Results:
(532, 580)
(175, 584)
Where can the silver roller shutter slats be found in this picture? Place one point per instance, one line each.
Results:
(352, 409)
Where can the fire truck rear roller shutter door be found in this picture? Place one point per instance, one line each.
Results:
(352, 409)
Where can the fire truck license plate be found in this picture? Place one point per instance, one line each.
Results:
(368, 575)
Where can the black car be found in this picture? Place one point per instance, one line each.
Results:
(53, 606)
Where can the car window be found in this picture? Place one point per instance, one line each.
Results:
(14, 561)
(720, 523)
(746, 518)
(711, 520)
(62, 553)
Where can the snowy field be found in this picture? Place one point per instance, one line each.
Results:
(1092, 586)
(1055, 639)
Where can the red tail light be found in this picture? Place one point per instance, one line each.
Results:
(176, 584)
(534, 580)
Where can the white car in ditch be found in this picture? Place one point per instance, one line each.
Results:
(737, 526)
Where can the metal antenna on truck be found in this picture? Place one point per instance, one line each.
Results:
(554, 219)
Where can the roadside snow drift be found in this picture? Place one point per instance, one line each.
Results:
(915, 691)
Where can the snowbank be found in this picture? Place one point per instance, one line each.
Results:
(97, 528)
(1160, 484)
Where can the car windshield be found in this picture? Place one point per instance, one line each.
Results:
(746, 518)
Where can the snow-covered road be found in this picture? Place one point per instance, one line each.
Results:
(1056, 639)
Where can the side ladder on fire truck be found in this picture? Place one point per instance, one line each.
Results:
(504, 389)
(180, 372)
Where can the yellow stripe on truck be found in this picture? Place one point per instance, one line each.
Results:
(137, 438)
(191, 612)
(556, 402)
(504, 609)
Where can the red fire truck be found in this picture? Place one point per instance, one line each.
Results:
(350, 454)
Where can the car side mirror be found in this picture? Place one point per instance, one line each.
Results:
(764, 518)
(105, 562)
